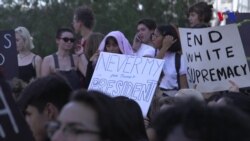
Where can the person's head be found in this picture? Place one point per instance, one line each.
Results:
(163, 30)
(235, 99)
(83, 18)
(111, 45)
(193, 120)
(116, 42)
(131, 117)
(23, 39)
(189, 93)
(65, 38)
(88, 116)
(93, 43)
(41, 102)
(145, 28)
(200, 14)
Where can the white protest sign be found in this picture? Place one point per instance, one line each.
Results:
(214, 56)
(131, 76)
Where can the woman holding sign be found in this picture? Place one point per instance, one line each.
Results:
(29, 64)
(113, 42)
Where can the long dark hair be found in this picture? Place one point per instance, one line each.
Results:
(170, 30)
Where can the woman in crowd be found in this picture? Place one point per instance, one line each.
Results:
(89, 116)
(113, 42)
(166, 40)
(91, 48)
(29, 64)
(63, 61)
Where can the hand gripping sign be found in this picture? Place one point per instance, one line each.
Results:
(125, 75)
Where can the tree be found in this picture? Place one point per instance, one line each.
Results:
(44, 17)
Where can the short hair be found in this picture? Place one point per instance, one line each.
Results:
(149, 23)
(85, 15)
(170, 30)
(60, 31)
(203, 123)
(25, 34)
(103, 106)
(49, 89)
(203, 10)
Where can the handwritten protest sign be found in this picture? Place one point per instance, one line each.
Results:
(8, 54)
(131, 76)
(12, 124)
(214, 56)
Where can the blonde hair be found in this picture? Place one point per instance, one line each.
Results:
(25, 34)
(186, 93)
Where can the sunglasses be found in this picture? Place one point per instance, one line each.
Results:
(66, 39)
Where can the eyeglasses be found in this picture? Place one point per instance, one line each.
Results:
(155, 35)
(66, 39)
(70, 129)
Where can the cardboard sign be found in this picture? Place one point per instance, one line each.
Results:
(13, 126)
(214, 56)
(8, 54)
(131, 76)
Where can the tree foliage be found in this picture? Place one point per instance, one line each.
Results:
(44, 17)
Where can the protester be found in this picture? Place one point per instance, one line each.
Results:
(29, 64)
(235, 99)
(199, 15)
(142, 44)
(131, 115)
(91, 48)
(89, 116)
(166, 39)
(193, 120)
(63, 61)
(41, 102)
(113, 42)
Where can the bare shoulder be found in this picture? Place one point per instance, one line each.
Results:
(38, 58)
(75, 57)
(48, 59)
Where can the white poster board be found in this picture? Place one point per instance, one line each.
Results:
(125, 75)
(214, 56)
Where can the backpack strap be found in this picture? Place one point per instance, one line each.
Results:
(34, 61)
(177, 68)
(72, 61)
(56, 61)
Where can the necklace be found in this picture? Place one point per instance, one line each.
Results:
(21, 57)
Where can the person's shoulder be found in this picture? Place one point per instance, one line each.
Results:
(146, 50)
(37, 57)
(48, 58)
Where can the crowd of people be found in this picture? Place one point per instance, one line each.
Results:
(57, 105)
